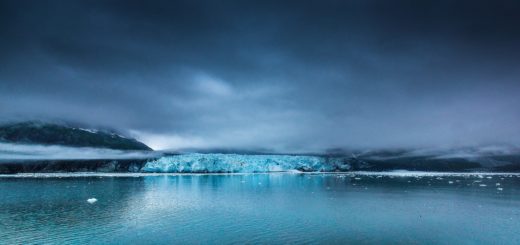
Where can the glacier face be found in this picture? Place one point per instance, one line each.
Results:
(238, 163)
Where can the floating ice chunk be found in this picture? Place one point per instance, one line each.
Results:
(500, 189)
(497, 184)
(482, 185)
(450, 182)
(357, 178)
(91, 200)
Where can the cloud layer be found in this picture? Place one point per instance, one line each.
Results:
(286, 76)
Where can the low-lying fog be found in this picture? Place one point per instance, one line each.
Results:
(10, 152)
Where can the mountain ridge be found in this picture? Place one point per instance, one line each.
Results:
(45, 133)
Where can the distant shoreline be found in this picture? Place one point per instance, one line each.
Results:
(341, 174)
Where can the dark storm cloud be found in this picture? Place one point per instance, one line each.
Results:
(298, 75)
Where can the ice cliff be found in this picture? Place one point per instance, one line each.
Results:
(236, 163)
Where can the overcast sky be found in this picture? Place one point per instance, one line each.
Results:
(289, 76)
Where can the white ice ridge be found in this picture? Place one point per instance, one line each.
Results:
(237, 163)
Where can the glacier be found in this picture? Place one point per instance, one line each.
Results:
(240, 163)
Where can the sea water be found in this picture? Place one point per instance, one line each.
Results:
(366, 208)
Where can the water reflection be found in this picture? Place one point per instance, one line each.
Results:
(261, 208)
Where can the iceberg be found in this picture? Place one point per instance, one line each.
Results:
(240, 163)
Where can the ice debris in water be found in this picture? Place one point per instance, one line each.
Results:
(482, 185)
(450, 182)
(237, 163)
(500, 189)
(91, 200)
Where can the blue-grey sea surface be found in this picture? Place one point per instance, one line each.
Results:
(261, 208)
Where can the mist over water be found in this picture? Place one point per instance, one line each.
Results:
(26, 152)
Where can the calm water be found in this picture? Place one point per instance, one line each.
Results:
(261, 208)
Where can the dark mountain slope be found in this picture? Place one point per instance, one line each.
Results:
(56, 134)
